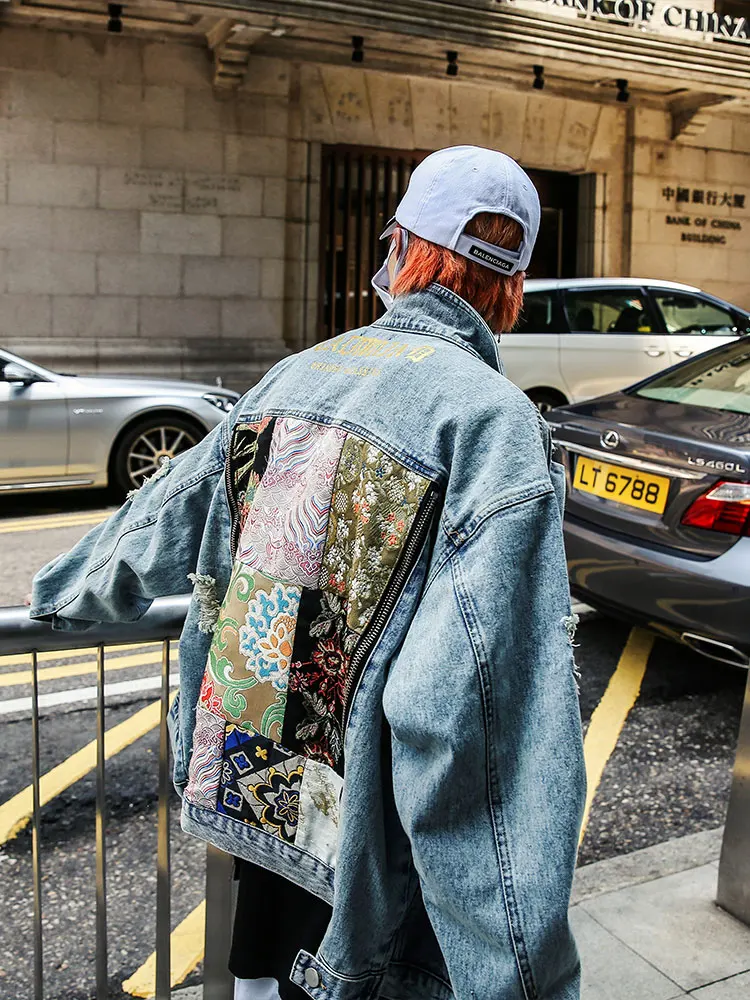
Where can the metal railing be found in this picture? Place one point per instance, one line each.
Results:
(734, 865)
(162, 623)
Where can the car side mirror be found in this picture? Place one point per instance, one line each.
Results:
(18, 375)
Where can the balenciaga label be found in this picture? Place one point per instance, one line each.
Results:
(481, 254)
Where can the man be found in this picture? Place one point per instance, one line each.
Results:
(378, 712)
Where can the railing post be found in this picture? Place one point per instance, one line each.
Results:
(101, 827)
(734, 867)
(36, 858)
(163, 906)
(218, 983)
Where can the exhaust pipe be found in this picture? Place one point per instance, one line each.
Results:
(715, 650)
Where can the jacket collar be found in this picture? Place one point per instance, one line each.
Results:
(439, 312)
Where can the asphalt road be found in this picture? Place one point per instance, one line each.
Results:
(668, 775)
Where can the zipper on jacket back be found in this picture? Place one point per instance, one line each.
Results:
(231, 498)
(381, 616)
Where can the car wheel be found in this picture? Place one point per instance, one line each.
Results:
(546, 399)
(145, 446)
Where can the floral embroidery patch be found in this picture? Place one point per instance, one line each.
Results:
(285, 528)
(317, 682)
(374, 502)
(260, 783)
(248, 663)
(206, 759)
(251, 444)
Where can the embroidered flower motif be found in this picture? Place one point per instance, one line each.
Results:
(267, 637)
(279, 796)
(208, 697)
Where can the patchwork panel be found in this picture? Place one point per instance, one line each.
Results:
(319, 812)
(206, 759)
(374, 502)
(317, 681)
(251, 444)
(260, 783)
(248, 663)
(285, 528)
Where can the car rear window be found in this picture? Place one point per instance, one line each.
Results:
(720, 381)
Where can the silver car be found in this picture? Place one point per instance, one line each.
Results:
(79, 431)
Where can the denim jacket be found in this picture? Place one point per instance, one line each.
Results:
(377, 693)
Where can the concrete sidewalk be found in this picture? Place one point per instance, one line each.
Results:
(648, 928)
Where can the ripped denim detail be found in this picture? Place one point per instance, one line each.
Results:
(570, 624)
(204, 591)
(163, 469)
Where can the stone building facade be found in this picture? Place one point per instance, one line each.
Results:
(155, 220)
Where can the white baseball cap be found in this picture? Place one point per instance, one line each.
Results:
(451, 186)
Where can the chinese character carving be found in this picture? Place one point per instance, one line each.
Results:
(699, 196)
(683, 194)
(712, 197)
(739, 201)
(668, 193)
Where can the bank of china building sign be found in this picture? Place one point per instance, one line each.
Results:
(699, 20)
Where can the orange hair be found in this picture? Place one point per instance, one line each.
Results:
(496, 297)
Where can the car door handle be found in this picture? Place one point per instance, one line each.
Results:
(683, 352)
(654, 352)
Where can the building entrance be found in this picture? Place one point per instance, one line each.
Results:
(360, 190)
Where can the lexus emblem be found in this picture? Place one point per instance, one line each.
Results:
(610, 439)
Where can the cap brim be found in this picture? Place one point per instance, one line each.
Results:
(390, 229)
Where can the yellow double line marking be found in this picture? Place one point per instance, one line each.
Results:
(610, 714)
(186, 952)
(17, 811)
(18, 677)
(54, 521)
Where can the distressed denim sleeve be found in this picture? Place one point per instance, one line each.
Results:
(487, 756)
(145, 550)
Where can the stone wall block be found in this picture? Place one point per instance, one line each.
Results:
(469, 114)
(430, 100)
(28, 140)
(275, 193)
(653, 124)
(392, 112)
(253, 237)
(29, 50)
(255, 156)
(177, 65)
(349, 102)
(28, 315)
(95, 229)
(544, 119)
(739, 269)
(48, 96)
(655, 261)
(608, 145)
(136, 274)
(149, 190)
(259, 115)
(718, 133)
(211, 277)
(179, 318)
(741, 136)
(42, 272)
(118, 60)
(253, 318)
(678, 163)
(316, 115)
(180, 234)
(173, 149)
(576, 135)
(725, 169)
(205, 112)
(51, 184)
(507, 119)
(224, 194)
(77, 316)
(266, 76)
(102, 145)
(142, 106)
(272, 278)
(25, 227)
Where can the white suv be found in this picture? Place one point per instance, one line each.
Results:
(584, 337)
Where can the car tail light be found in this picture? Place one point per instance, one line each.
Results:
(726, 507)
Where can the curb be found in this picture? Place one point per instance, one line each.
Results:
(649, 863)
